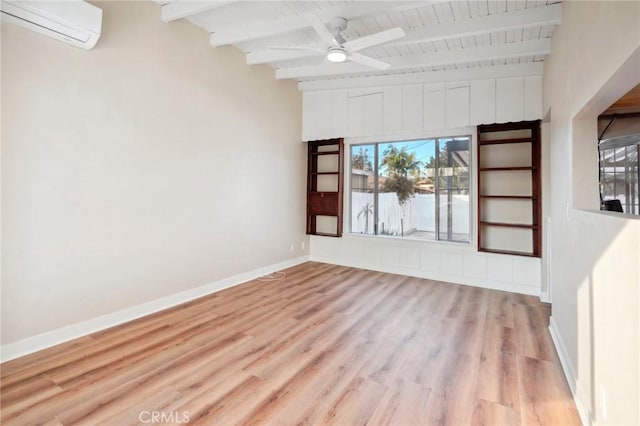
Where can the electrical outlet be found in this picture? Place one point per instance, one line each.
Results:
(603, 403)
(302, 245)
(292, 248)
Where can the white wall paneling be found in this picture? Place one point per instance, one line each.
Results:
(355, 113)
(482, 101)
(410, 108)
(532, 110)
(339, 113)
(509, 100)
(373, 114)
(457, 105)
(392, 110)
(434, 106)
(364, 112)
(317, 116)
(454, 263)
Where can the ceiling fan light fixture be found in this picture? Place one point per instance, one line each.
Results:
(336, 54)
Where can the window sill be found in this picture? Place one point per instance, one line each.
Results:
(457, 244)
(617, 215)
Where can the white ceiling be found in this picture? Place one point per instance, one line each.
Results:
(445, 40)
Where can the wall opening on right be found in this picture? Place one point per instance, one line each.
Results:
(618, 148)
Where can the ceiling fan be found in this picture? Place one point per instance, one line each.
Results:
(340, 50)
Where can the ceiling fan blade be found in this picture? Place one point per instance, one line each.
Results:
(321, 29)
(368, 61)
(374, 39)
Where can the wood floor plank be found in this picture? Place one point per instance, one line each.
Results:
(113, 390)
(498, 379)
(193, 366)
(454, 389)
(356, 404)
(325, 344)
(307, 386)
(404, 403)
(555, 405)
(311, 403)
(32, 391)
(487, 413)
(217, 407)
(498, 338)
(500, 309)
(532, 333)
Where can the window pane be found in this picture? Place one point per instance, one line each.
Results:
(620, 183)
(619, 174)
(426, 193)
(607, 175)
(632, 156)
(405, 191)
(453, 185)
(362, 189)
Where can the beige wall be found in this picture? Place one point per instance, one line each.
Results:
(148, 166)
(595, 277)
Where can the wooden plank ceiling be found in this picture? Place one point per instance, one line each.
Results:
(628, 104)
(473, 38)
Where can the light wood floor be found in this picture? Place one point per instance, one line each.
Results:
(325, 345)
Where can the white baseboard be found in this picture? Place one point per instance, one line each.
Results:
(73, 331)
(456, 279)
(545, 297)
(569, 372)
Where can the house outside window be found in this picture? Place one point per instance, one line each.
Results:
(417, 189)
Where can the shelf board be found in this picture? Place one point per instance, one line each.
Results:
(501, 141)
(505, 169)
(512, 252)
(325, 173)
(326, 153)
(511, 197)
(325, 234)
(521, 125)
(508, 225)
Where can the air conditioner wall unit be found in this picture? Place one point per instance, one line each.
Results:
(75, 22)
